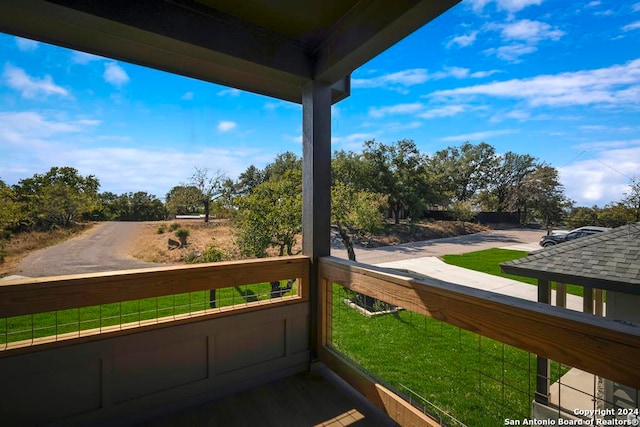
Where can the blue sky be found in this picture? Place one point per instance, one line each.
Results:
(555, 79)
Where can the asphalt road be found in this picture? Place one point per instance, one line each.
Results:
(439, 247)
(103, 248)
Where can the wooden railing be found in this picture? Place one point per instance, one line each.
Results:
(132, 370)
(598, 345)
(40, 295)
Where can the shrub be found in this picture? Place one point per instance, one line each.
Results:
(211, 254)
(192, 257)
(182, 234)
(174, 226)
(161, 229)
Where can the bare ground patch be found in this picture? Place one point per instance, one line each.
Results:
(152, 246)
(406, 232)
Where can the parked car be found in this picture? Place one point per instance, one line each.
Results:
(555, 238)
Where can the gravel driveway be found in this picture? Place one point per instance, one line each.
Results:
(103, 248)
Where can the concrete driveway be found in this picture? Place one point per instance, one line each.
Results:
(450, 245)
(423, 258)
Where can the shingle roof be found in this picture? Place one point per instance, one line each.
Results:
(608, 260)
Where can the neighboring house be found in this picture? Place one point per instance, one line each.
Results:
(607, 261)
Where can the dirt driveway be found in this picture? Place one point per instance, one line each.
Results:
(103, 248)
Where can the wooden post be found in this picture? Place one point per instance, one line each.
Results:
(316, 190)
(561, 295)
(587, 300)
(599, 299)
(543, 366)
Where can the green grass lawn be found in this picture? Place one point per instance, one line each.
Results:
(488, 261)
(39, 325)
(477, 380)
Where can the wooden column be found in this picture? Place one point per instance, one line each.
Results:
(543, 366)
(316, 189)
(561, 295)
(587, 300)
(599, 299)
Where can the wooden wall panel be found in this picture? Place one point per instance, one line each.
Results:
(26, 396)
(151, 367)
(238, 349)
(147, 370)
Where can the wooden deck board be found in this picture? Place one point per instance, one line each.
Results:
(308, 399)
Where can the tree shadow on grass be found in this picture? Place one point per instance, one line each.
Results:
(247, 294)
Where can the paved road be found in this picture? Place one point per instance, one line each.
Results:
(103, 248)
(439, 247)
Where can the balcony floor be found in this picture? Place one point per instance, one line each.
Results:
(316, 398)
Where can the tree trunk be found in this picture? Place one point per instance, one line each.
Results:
(366, 301)
(207, 205)
(346, 239)
(277, 291)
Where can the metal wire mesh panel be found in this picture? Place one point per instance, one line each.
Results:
(19, 331)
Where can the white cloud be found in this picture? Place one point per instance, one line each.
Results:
(519, 115)
(605, 145)
(188, 96)
(615, 85)
(114, 74)
(446, 111)
(516, 5)
(30, 127)
(419, 110)
(632, 26)
(510, 6)
(353, 141)
(463, 40)
(403, 78)
(523, 36)
(635, 7)
(31, 87)
(230, 92)
(478, 136)
(529, 31)
(511, 53)
(412, 108)
(84, 58)
(483, 74)
(26, 45)
(601, 179)
(593, 4)
(275, 105)
(45, 142)
(226, 126)
(457, 72)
